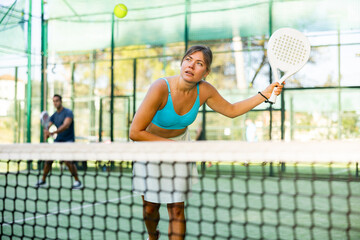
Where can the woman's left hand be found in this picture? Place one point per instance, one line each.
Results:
(268, 91)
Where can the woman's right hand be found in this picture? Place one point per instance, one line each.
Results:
(268, 91)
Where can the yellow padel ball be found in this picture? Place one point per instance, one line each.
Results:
(120, 10)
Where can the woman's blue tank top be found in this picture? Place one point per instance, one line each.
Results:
(167, 118)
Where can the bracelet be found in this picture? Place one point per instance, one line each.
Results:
(267, 100)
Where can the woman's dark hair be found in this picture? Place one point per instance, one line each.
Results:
(57, 95)
(206, 51)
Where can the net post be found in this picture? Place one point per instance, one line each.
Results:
(357, 170)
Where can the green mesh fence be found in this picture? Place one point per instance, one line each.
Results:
(12, 24)
(158, 22)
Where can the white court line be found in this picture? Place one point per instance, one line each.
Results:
(67, 210)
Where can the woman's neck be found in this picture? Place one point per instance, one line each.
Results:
(183, 86)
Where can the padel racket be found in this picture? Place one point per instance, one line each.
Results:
(45, 121)
(288, 51)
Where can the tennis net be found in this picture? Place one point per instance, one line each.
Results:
(268, 190)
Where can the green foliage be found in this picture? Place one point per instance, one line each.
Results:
(350, 124)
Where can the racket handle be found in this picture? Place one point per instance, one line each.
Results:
(273, 96)
(272, 99)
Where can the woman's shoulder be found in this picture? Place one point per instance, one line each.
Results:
(206, 85)
(159, 86)
(207, 90)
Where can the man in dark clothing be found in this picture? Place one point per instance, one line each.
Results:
(63, 119)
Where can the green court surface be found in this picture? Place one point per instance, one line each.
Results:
(229, 202)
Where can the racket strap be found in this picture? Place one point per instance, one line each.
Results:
(267, 100)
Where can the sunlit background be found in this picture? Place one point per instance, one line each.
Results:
(65, 47)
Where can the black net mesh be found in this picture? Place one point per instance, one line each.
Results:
(243, 199)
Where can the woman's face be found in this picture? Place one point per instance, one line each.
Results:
(193, 67)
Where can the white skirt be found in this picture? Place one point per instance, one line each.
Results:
(165, 182)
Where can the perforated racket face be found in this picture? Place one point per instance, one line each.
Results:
(288, 49)
(45, 119)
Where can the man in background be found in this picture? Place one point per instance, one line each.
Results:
(63, 119)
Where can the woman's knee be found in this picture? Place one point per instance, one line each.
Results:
(151, 209)
(176, 211)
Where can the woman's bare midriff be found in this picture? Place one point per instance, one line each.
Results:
(165, 133)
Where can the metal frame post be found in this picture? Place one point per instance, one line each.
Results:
(339, 85)
(128, 120)
(112, 80)
(92, 95)
(203, 135)
(128, 102)
(72, 97)
(271, 173)
(44, 56)
(186, 30)
(203, 132)
(134, 86)
(16, 124)
(100, 119)
(291, 117)
(28, 85)
(282, 127)
(270, 70)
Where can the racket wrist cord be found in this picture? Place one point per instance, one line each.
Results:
(267, 100)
